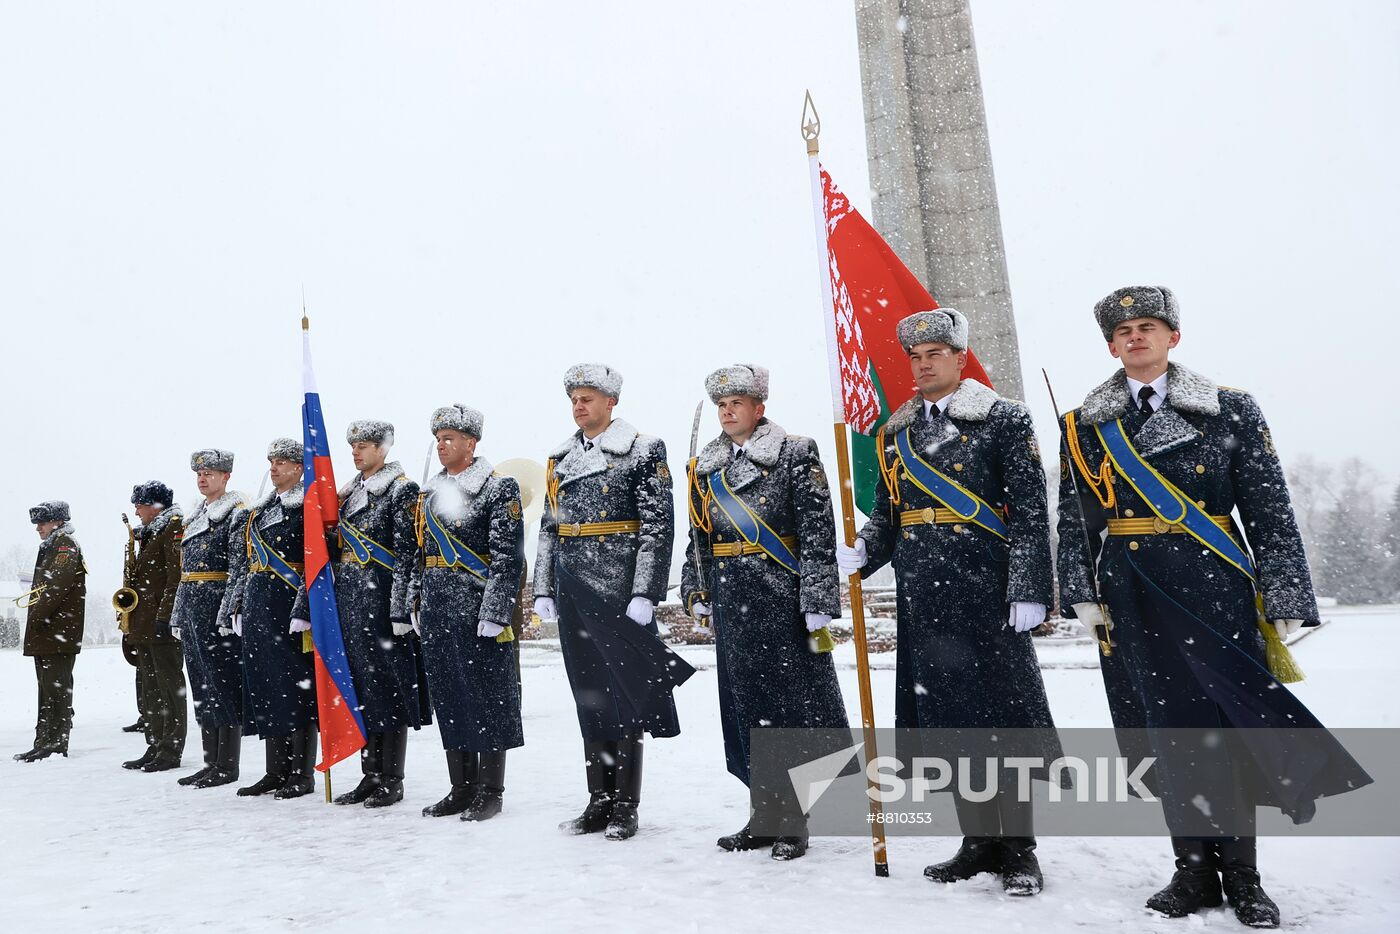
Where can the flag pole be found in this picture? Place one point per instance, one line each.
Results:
(306, 328)
(811, 129)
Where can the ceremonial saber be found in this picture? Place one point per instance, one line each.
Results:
(702, 595)
(811, 129)
(1106, 643)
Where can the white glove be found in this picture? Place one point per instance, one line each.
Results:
(544, 608)
(415, 623)
(851, 559)
(1092, 615)
(1026, 616)
(26, 577)
(225, 631)
(489, 630)
(1287, 627)
(175, 631)
(299, 625)
(816, 621)
(641, 610)
(238, 625)
(402, 629)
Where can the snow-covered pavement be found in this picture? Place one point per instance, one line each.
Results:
(87, 846)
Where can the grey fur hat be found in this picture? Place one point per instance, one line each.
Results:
(152, 493)
(1137, 301)
(597, 376)
(941, 326)
(55, 510)
(741, 379)
(285, 449)
(458, 417)
(370, 429)
(212, 459)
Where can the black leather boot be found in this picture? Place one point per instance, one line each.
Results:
(744, 840)
(600, 764)
(301, 756)
(276, 749)
(491, 787)
(371, 768)
(975, 855)
(1239, 875)
(229, 740)
(394, 750)
(1195, 884)
(622, 822)
(1020, 870)
(462, 770)
(140, 763)
(209, 739)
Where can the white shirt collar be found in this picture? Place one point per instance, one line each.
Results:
(1159, 395)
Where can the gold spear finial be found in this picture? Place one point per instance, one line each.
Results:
(811, 124)
(305, 321)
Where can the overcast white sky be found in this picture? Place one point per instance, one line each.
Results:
(477, 195)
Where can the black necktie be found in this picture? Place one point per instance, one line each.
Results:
(739, 454)
(1145, 393)
(933, 413)
(588, 445)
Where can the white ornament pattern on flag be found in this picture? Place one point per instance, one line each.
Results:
(858, 395)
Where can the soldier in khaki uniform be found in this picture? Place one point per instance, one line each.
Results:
(155, 578)
(53, 632)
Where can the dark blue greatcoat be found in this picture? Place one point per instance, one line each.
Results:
(212, 533)
(621, 673)
(472, 678)
(370, 597)
(279, 684)
(959, 665)
(1190, 653)
(768, 674)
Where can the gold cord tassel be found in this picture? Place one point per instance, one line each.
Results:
(1281, 663)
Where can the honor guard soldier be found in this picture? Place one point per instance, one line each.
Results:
(604, 559)
(376, 548)
(155, 577)
(202, 621)
(472, 551)
(961, 515)
(762, 565)
(270, 612)
(1150, 556)
(53, 628)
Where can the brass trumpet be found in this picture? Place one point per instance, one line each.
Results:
(30, 597)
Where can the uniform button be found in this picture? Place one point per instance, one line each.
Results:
(719, 538)
(1128, 513)
(906, 533)
(1200, 468)
(1132, 546)
(721, 565)
(1201, 503)
(763, 555)
(957, 467)
(762, 500)
(964, 439)
(957, 527)
(714, 509)
(765, 473)
(602, 514)
(605, 488)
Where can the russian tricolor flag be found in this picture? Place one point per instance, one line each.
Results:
(342, 727)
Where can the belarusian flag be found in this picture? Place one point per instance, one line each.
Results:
(871, 290)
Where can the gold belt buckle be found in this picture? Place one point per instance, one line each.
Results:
(929, 515)
(1160, 525)
(577, 528)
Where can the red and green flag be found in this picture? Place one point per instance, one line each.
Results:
(870, 292)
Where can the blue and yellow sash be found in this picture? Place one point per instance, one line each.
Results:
(451, 548)
(364, 548)
(1167, 501)
(941, 487)
(266, 557)
(753, 529)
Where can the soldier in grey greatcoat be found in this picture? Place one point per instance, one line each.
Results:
(604, 558)
(467, 575)
(213, 652)
(270, 613)
(761, 511)
(1191, 612)
(375, 545)
(53, 628)
(961, 514)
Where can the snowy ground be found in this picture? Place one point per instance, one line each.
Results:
(87, 846)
